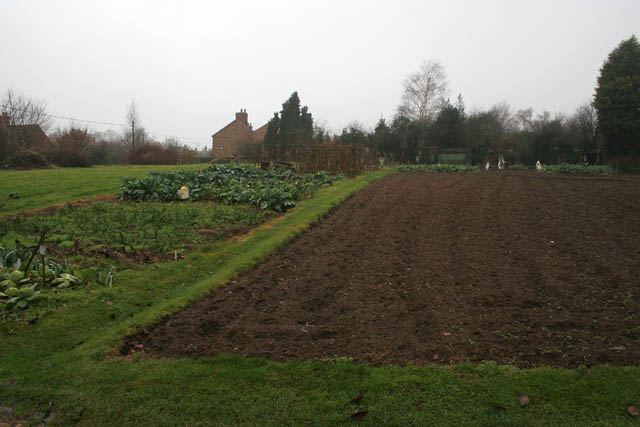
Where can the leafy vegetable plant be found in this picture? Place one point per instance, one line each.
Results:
(230, 184)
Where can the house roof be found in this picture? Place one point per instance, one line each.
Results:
(234, 121)
(32, 131)
(260, 133)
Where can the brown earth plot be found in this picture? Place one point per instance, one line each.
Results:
(517, 268)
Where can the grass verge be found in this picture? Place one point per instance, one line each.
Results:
(61, 368)
(46, 187)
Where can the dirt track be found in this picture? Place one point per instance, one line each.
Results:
(517, 268)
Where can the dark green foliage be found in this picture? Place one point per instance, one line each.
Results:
(126, 227)
(518, 167)
(277, 190)
(448, 129)
(438, 168)
(27, 159)
(570, 169)
(409, 137)
(68, 158)
(483, 132)
(72, 148)
(289, 130)
(549, 140)
(23, 277)
(354, 134)
(382, 138)
(272, 139)
(617, 99)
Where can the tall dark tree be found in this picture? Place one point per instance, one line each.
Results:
(306, 121)
(448, 128)
(354, 133)
(617, 101)
(382, 139)
(290, 129)
(408, 137)
(272, 140)
(483, 132)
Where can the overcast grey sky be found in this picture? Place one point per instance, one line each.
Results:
(191, 65)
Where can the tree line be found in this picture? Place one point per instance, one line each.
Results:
(28, 140)
(603, 130)
(520, 136)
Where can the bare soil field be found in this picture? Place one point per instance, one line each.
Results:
(516, 267)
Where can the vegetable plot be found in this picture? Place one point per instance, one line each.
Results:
(277, 190)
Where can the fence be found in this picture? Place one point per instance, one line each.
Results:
(351, 160)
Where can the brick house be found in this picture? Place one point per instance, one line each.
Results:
(235, 136)
(22, 136)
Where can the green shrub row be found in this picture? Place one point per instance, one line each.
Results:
(518, 167)
(231, 184)
(571, 169)
(438, 168)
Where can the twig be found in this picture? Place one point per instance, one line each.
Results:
(35, 250)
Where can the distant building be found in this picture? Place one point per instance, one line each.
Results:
(237, 136)
(204, 155)
(24, 136)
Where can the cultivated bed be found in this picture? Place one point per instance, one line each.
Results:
(517, 268)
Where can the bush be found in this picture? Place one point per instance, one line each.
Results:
(68, 158)
(152, 154)
(106, 152)
(518, 167)
(569, 169)
(27, 159)
(438, 168)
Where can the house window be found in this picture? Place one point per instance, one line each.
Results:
(221, 147)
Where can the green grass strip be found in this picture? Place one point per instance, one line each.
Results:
(46, 187)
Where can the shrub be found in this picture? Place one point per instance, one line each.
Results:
(438, 168)
(518, 167)
(570, 169)
(152, 154)
(64, 157)
(27, 159)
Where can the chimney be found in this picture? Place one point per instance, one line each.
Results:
(4, 121)
(243, 117)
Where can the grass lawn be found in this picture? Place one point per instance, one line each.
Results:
(63, 367)
(45, 187)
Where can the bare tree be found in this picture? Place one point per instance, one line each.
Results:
(28, 118)
(136, 134)
(524, 119)
(583, 125)
(424, 91)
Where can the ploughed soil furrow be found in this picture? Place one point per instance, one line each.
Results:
(517, 268)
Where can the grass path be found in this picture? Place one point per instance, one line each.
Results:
(64, 365)
(45, 187)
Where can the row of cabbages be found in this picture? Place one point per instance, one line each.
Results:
(231, 184)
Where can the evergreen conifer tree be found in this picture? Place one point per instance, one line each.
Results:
(617, 101)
